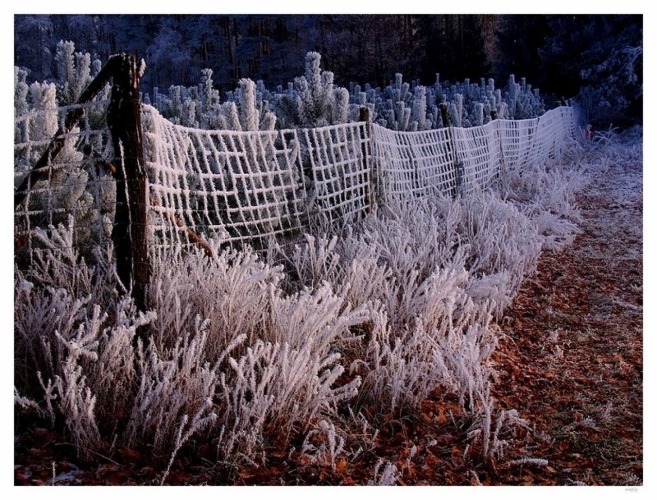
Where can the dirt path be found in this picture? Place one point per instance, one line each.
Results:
(572, 363)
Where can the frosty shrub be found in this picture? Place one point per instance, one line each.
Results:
(424, 307)
(613, 85)
(545, 194)
(65, 347)
(254, 364)
(201, 107)
(73, 70)
(273, 355)
(72, 185)
(314, 100)
(433, 274)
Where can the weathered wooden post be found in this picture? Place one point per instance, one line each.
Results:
(443, 114)
(498, 138)
(451, 146)
(129, 232)
(364, 116)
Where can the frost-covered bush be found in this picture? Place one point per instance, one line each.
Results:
(314, 100)
(433, 275)
(254, 362)
(411, 106)
(522, 102)
(71, 187)
(73, 71)
(611, 87)
(201, 106)
(35, 127)
(545, 194)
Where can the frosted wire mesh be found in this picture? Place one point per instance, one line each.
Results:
(75, 184)
(223, 185)
(537, 140)
(545, 145)
(241, 186)
(565, 129)
(413, 164)
(479, 156)
(334, 158)
(570, 130)
(517, 138)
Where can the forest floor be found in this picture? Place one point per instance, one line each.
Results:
(572, 358)
(570, 361)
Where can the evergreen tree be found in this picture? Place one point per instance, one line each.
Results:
(519, 39)
(600, 60)
(34, 45)
(595, 58)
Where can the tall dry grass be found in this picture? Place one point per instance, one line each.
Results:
(242, 351)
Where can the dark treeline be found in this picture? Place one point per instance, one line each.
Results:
(595, 57)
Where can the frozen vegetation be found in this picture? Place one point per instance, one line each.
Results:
(313, 100)
(248, 348)
(245, 350)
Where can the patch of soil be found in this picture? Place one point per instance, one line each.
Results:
(572, 358)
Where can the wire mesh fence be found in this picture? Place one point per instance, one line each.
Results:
(230, 186)
(224, 185)
(413, 163)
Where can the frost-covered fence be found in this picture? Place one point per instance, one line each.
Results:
(248, 185)
(241, 186)
(538, 139)
(463, 160)
(341, 180)
(224, 185)
(413, 163)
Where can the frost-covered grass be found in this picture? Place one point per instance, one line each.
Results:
(242, 351)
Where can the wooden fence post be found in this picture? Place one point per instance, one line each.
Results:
(498, 175)
(451, 145)
(443, 114)
(129, 232)
(364, 116)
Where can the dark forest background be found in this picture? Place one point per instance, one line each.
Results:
(597, 59)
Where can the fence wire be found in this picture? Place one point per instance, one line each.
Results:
(413, 164)
(225, 185)
(233, 186)
(335, 157)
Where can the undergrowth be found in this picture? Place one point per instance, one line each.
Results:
(242, 351)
